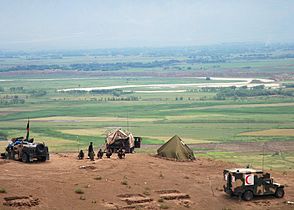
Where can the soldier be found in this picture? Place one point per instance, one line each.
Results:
(92, 155)
(100, 154)
(90, 149)
(81, 155)
(121, 154)
(108, 153)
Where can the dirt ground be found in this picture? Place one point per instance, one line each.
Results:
(138, 182)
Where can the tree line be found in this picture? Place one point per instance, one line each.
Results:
(240, 92)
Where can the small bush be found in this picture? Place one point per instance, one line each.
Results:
(163, 206)
(79, 191)
(146, 192)
(98, 178)
(2, 190)
(124, 182)
(160, 200)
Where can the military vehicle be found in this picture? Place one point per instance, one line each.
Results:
(119, 139)
(247, 183)
(26, 150)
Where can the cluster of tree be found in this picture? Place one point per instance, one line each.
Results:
(181, 98)
(205, 89)
(104, 99)
(129, 98)
(97, 66)
(16, 90)
(114, 92)
(289, 85)
(234, 92)
(36, 93)
(15, 99)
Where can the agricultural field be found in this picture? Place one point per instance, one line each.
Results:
(203, 103)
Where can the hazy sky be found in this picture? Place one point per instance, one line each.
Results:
(78, 24)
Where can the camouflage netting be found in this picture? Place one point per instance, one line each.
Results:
(119, 134)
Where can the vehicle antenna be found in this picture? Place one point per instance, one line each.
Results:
(78, 142)
(128, 121)
(263, 155)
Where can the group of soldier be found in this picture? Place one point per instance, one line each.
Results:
(100, 153)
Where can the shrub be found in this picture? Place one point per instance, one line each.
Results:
(2, 190)
(79, 191)
(163, 206)
(98, 178)
(124, 182)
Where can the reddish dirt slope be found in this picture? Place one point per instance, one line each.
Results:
(138, 182)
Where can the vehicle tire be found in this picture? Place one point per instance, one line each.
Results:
(279, 193)
(248, 195)
(40, 148)
(25, 158)
(14, 155)
(42, 159)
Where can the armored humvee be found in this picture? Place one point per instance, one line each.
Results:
(247, 183)
(26, 151)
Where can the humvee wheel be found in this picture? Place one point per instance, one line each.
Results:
(40, 148)
(42, 159)
(248, 195)
(279, 193)
(14, 155)
(25, 158)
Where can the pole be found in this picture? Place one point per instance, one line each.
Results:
(263, 156)
(78, 143)
(128, 121)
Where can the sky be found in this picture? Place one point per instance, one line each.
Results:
(93, 24)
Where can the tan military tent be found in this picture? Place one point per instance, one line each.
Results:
(175, 148)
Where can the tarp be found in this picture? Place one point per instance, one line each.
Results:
(175, 148)
(119, 134)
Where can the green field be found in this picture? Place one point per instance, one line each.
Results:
(156, 117)
(69, 121)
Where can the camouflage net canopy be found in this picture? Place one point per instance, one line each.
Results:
(119, 134)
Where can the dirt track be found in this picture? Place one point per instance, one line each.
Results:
(117, 184)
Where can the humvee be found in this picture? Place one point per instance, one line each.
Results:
(247, 183)
(26, 151)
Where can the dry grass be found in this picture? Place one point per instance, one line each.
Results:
(235, 106)
(270, 132)
(186, 140)
(84, 132)
(90, 119)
